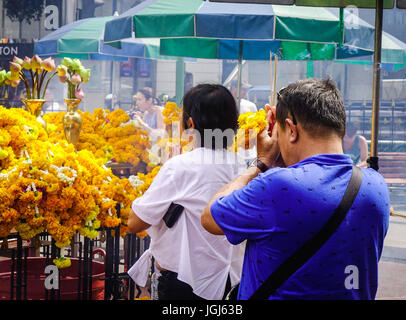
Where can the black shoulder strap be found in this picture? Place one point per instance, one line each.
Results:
(303, 254)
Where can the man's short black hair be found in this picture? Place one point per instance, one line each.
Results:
(316, 104)
(211, 106)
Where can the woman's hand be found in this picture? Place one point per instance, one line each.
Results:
(143, 125)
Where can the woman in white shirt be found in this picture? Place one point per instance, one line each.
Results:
(192, 263)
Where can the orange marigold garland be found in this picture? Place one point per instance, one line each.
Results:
(170, 113)
(109, 135)
(46, 185)
(250, 124)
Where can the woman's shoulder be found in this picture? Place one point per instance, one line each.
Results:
(361, 139)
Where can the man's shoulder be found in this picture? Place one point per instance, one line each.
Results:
(279, 178)
(373, 177)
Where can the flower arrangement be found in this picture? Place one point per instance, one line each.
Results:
(5, 80)
(250, 124)
(171, 113)
(38, 69)
(73, 73)
(108, 135)
(49, 186)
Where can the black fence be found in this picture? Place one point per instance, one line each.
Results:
(392, 122)
(98, 267)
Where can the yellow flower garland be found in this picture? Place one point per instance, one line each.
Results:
(250, 124)
(46, 185)
(108, 135)
(170, 113)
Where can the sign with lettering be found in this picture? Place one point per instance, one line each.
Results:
(143, 68)
(9, 50)
(126, 68)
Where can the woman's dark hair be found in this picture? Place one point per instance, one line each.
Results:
(147, 92)
(316, 104)
(211, 106)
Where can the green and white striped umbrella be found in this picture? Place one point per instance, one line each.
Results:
(204, 19)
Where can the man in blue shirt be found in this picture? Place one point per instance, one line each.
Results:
(280, 209)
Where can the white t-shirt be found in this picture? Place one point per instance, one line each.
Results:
(201, 259)
(246, 105)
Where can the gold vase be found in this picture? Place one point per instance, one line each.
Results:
(34, 106)
(72, 121)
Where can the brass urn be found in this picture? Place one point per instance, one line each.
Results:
(34, 106)
(72, 121)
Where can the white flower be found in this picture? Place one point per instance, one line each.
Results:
(4, 176)
(135, 181)
(63, 177)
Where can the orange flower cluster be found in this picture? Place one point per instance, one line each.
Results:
(108, 135)
(250, 124)
(171, 112)
(47, 185)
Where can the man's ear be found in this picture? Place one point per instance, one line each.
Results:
(190, 124)
(292, 130)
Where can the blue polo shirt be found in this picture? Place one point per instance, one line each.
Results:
(279, 210)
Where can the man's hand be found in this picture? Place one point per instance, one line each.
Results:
(267, 140)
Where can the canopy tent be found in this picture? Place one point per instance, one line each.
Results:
(388, 4)
(301, 31)
(393, 55)
(83, 39)
(204, 19)
(379, 6)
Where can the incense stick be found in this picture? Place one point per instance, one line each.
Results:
(274, 80)
(271, 77)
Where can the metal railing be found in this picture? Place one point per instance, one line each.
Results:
(119, 255)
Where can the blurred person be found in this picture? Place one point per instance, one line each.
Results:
(355, 145)
(190, 263)
(110, 102)
(188, 81)
(133, 109)
(277, 208)
(149, 115)
(245, 104)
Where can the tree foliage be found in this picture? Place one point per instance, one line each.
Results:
(24, 10)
